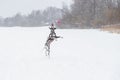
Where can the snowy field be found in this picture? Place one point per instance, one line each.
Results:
(80, 55)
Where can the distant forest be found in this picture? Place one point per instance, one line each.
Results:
(35, 18)
(81, 14)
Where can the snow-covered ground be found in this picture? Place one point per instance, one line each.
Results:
(80, 55)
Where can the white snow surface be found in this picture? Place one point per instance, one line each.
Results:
(82, 54)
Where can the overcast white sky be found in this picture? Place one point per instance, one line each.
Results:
(11, 7)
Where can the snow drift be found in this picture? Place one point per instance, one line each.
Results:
(81, 55)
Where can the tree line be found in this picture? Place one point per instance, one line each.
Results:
(92, 13)
(81, 14)
(35, 18)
